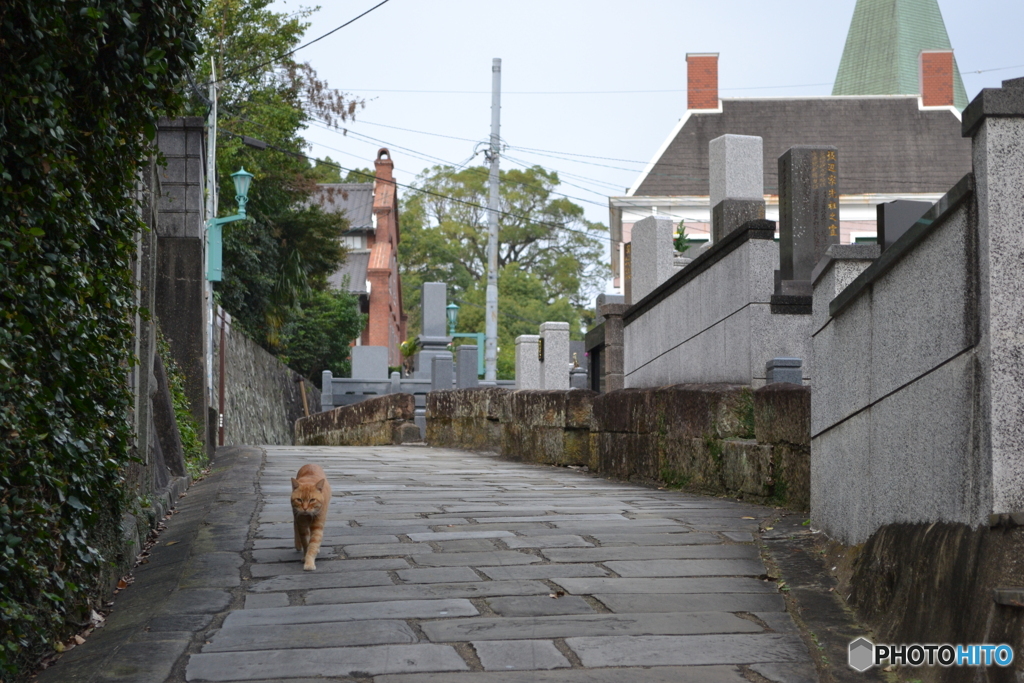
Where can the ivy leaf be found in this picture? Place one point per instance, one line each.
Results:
(77, 504)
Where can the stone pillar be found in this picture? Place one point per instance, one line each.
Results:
(651, 255)
(466, 366)
(736, 169)
(995, 120)
(554, 368)
(808, 214)
(326, 391)
(578, 378)
(370, 362)
(603, 299)
(613, 359)
(840, 266)
(180, 297)
(433, 338)
(527, 362)
(442, 372)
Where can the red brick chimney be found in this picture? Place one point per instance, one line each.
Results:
(383, 166)
(937, 78)
(702, 80)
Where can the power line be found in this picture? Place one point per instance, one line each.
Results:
(304, 45)
(630, 92)
(370, 176)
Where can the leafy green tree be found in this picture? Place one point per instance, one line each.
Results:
(317, 337)
(549, 255)
(288, 247)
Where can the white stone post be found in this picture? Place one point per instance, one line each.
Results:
(554, 369)
(652, 255)
(527, 362)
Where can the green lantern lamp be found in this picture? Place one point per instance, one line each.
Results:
(214, 226)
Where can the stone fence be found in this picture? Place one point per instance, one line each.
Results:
(374, 422)
(717, 319)
(917, 408)
(721, 439)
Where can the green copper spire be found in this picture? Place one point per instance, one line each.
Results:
(883, 47)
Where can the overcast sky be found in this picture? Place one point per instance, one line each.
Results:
(561, 47)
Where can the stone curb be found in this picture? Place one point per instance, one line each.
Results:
(155, 620)
(825, 622)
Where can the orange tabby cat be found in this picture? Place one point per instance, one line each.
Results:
(311, 494)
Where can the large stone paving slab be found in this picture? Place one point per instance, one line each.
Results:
(589, 586)
(329, 634)
(692, 602)
(654, 568)
(511, 655)
(658, 674)
(670, 623)
(312, 580)
(689, 650)
(395, 609)
(339, 661)
(477, 589)
(658, 552)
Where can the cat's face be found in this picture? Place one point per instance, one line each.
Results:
(307, 499)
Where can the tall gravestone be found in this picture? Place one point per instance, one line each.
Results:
(370, 362)
(895, 218)
(466, 366)
(651, 255)
(527, 362)
(442, 372)
(554, 366)
(736, 170)
(433, 338)
(808, 214)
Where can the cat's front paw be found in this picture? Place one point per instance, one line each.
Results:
(310, 566)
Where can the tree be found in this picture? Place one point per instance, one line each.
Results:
(288, 247)
(548, 258)
(317, 338)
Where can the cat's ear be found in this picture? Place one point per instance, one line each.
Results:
(320, 484)
(295, 483)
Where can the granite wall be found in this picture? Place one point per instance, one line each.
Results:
(722, 439)
(713, 322)
(262, 396)
(917, 409)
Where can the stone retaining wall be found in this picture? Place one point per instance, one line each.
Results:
(709, 437)
(374, 422)
(262, 395)
(942, 583)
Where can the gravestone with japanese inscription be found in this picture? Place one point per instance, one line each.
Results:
(808, 214)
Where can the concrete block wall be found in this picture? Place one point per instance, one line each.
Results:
(712, 321)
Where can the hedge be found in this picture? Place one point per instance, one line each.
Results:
(82, 86)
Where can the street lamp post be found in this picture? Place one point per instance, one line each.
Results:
(452, 311)
(214, 232)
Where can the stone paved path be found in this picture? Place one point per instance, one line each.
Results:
(442, 566)
(437, 562)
